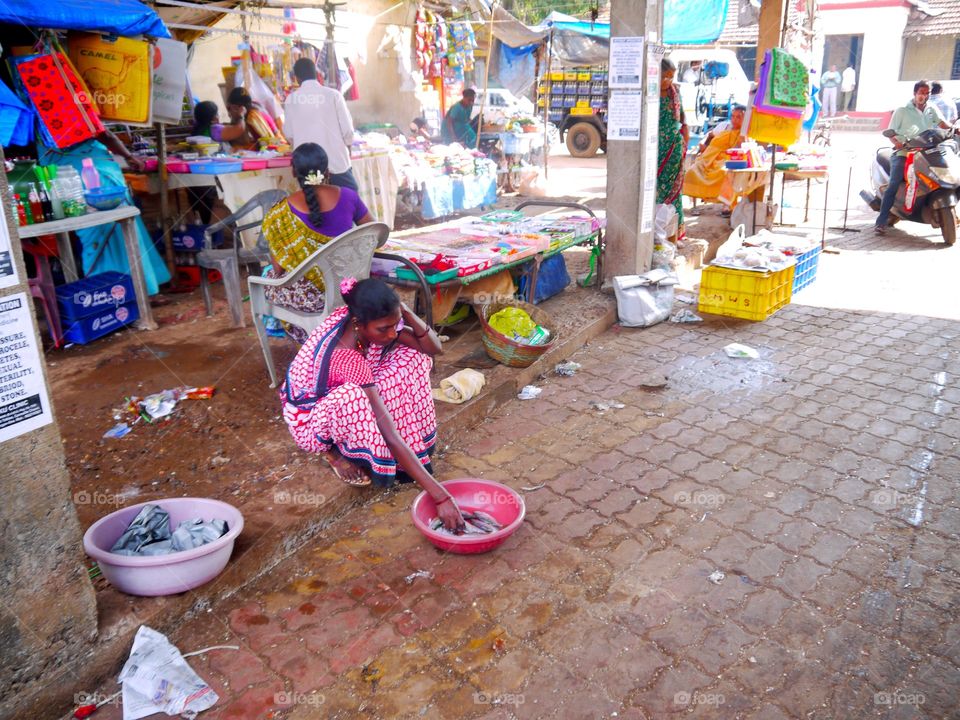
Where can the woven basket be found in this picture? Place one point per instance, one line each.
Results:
(508, 351)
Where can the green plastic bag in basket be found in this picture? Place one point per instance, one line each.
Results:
(513, 322)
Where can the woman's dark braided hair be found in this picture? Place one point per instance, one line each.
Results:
(371, 299)
(307, 159)
(239, 96)
(203, 115)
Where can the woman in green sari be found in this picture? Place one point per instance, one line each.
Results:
(672, 143)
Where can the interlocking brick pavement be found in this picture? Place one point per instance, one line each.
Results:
(821, 479)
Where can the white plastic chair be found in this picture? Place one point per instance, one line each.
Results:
(229, 260)
(347, 255)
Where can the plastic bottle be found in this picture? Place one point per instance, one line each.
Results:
(21, 211)
(90, 175)
(69, 189)
(36, 209)
(47, 206)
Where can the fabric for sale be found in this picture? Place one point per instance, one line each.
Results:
(764, 100)
(16, 119)
(59, 97)
(789, 80)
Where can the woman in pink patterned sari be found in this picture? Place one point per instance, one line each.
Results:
(358, 392)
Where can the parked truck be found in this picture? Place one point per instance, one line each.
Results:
(576, 102)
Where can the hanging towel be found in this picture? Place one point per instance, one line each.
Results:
(789, 80)
(460, 387)
(764, 100)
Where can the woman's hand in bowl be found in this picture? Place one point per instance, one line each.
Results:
(450, 515)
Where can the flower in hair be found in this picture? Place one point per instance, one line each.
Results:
(347, 285)
(313, 178)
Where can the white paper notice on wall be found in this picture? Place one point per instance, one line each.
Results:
(8, 271)
(24, 405)
(624, 115)
(626, 62)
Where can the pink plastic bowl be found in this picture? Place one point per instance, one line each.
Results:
(493, 498)
(163, 574)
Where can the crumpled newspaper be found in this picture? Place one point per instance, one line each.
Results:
(685, 315)
(149, 534)
(529, 392)
(567, 367)
(157, 679)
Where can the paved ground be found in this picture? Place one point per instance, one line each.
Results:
(820, 479)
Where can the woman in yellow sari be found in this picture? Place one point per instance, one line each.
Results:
(248, 122)
(707, 178)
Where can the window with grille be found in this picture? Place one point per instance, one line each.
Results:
(955, 68)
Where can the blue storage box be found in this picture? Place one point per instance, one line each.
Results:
(94, 295)
(95, 326)
(189, 238)
(806, 268)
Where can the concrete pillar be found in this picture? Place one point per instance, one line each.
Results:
(49, 614)
(629, 242)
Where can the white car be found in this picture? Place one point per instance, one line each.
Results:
(697, 97)
(501, 105)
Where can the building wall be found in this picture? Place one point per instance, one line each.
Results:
(928, 58)
(359, 32)
(882, 30)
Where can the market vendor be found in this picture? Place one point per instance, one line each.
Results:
(420, 130)
(304, 222)
(206, 121)
(456, 124)
(248, 122)
(707, 178)
(358, 393)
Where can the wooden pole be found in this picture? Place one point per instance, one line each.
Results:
(486, 74)
(161, 131)
(546, 107)
(773, 14)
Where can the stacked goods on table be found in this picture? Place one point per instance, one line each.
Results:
(504, 236)
(97, 305)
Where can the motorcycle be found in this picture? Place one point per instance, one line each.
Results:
(931, 188)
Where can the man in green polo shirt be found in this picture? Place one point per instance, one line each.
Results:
(908, 122)
(456, 124)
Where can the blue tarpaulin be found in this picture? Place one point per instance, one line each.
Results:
(693, 22)
(118, 17)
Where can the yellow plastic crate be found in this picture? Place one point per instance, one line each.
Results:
(583, 103)
(581, 76)
(745, 293)
(570, 76)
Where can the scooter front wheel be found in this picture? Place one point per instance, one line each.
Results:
(948, 225)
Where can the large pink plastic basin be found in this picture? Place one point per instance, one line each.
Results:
(503, 503)
(163, 574)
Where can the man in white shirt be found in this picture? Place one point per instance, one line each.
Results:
(318, 114)
(848, 81)
(947, 108)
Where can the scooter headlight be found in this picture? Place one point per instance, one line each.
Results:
(949, 175)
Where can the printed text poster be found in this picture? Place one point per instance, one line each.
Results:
(24, 405)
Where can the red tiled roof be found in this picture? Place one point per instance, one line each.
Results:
(946, 23)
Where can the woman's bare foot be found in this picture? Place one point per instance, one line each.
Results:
(347, 471)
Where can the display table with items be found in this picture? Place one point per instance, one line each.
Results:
(473, 249)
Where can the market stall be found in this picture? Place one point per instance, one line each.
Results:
(77, 69)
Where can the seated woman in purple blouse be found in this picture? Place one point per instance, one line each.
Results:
(301, 224)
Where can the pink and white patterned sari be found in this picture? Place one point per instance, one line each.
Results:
(324, 403)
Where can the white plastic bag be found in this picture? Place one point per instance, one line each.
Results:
(644, 300)
(664, 223)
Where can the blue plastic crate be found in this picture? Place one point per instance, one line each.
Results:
(189, 238)
(94, 294)
(806, 268)
(95, 326)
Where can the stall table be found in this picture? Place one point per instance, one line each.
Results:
(595, 239)
(125, 215)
